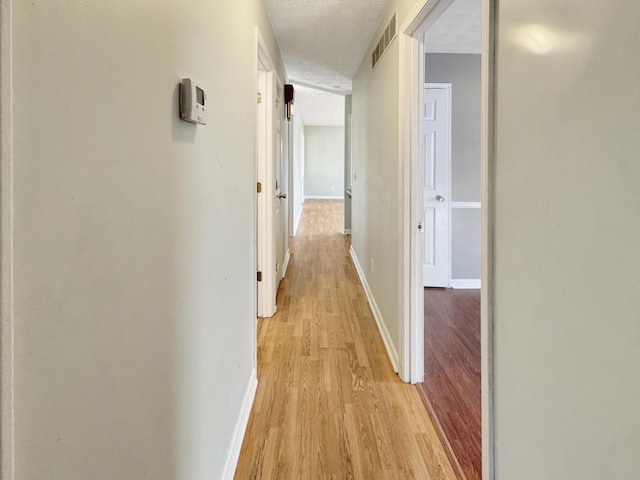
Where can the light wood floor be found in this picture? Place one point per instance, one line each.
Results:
(329, 405)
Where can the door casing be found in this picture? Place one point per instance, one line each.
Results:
(6, 245)
(411, 292)
(265, 176)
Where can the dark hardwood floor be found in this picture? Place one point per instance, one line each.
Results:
(452, 373)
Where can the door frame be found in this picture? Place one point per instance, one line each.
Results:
(420, 174)
(280, 170)
(290, 179)
(265, 175)
(6, 244)
(411, 99)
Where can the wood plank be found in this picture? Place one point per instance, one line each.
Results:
(451, 390)
(329, 404)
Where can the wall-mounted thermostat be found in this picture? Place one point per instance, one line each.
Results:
(193, 102)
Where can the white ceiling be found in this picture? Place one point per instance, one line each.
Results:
(323, 42)
(458, 29)
(319, 108)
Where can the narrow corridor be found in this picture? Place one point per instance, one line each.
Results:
(329, 404)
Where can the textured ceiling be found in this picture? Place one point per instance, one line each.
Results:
(458, 30)
(319, 108)
(323, 42)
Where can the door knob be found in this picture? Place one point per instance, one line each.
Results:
(440, 198)
(282, 195)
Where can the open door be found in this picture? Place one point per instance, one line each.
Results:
(267, 206)
(437, 156)
(281, 209)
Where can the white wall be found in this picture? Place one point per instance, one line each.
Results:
(374, 206)
(567, 241)
(324, 161)
(134, 272)
(566, 246)
(463, 72)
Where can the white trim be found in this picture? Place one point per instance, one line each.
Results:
(411, 101)
(303, 159)
(259, 203)
(265, 151)
(240, 429)
(290, 180)
(466, 204)
(448, 87)
(384, 333)
(263, 51)
(324, 197)
(7, 402)
(407, 272)
(280, 168)
(422, 15)
(346, 231)
(285, 263)
(487, 135)
(466, 283)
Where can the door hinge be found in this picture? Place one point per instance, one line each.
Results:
(259, 187)
(259, 276)
(259, 97)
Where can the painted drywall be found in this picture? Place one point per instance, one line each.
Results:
(134, 236)
(466, 236)
(324, 161)
(462, 71)
(282, 167)
(567, 241)
(347, 163)
(374, 207)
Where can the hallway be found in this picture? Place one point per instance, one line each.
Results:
(328, 403)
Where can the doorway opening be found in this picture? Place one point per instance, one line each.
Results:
(319, 146)
(452, 213)
(272, 239)
(446, 218)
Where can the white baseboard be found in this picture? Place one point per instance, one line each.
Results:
(386, 338)
(324, 197)
(346, 231)
(241, 428)
(466, 205)
(285, 264)
(465, 283)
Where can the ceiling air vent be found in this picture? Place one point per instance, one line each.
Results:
(385, 40)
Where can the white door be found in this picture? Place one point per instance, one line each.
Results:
(262, 125)
(278, 214)
(266, 221)
(437, 154)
